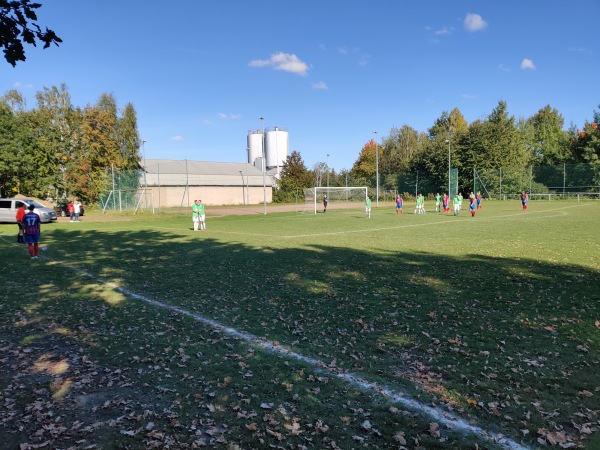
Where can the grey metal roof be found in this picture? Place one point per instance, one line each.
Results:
(171, 172)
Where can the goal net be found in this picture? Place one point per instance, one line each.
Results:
(337, 198)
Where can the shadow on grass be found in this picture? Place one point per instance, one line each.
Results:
(510, 342)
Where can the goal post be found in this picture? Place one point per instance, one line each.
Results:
(337, 197)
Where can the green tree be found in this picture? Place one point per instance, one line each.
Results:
(585, 144)
(294, 177)
(59, 132)
(18, 26)
(128, 138)
(14, 100)
(9, 149)
(550, 141)
(398, 150)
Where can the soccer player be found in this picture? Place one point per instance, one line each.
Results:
(472, 208)
(445, 201)
(524, 198)
(456, 202)
(419, 204)
(201, 215)
(368, 207)
(325, 203)
(460, 198)
(479, 198)
(196, 215)
(32, 224)
(438, 199)
(399, 202)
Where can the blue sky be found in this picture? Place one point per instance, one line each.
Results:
(201, 73)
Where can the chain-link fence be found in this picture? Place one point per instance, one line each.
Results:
(561, 180)
(125, 191)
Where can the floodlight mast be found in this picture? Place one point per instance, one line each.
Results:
(327, 165)
(145, 181)
(263, 164)
(449, 171)
(376, 171)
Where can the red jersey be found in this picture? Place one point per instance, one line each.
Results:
(31, 222)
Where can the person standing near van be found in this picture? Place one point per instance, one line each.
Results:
(76, 210)
(19, 217)
(32, 225)
(71, 211)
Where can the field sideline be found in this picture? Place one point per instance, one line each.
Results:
(493, 319)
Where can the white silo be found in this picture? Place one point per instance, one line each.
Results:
(276, 147)
(255, 149)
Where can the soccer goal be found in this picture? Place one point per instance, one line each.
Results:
(337, 198)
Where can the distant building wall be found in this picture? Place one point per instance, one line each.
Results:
(173, 196)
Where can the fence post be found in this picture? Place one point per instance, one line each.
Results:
(564, 177)
(112, 168)
(500, 183)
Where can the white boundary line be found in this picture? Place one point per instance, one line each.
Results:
(452, 421)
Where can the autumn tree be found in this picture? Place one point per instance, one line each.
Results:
(365, 166)
(18, 25)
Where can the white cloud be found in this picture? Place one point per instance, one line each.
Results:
(177, 138)
(282, 61)
(468, 96)
(19, 85)
(442, 31)
(474, 22)
(320, 85)
(580, 50)
(342, 50)
(503, 68)
(527, 64)
(229, 116)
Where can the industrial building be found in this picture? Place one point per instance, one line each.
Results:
(179, 182)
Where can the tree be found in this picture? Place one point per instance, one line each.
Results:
(550, 141)
(17, 25)
(585, 144)
(294, 176)
(99, 152)
(128, 138)
(14, 100)
(364, 166)
(398, 150)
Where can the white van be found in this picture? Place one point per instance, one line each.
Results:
(9, 206)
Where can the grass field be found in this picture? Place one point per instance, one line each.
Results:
(301, 331)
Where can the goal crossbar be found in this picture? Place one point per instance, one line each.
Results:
(351, 195)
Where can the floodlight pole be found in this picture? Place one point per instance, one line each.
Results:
(263, 164)
(327, 165)
(376, 171)
(145, 181)
(448, 141)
